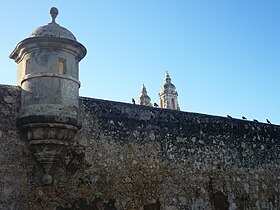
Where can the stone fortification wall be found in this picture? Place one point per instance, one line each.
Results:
(143, 158)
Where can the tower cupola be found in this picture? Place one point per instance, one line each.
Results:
(48, 74)
(144, 99)
(168, 95)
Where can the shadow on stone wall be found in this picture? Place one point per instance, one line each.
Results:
(220, 201)
(153, 206)
(97, 204)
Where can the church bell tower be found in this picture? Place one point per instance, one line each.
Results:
(48, 74)
(168, 95)
(144, 99)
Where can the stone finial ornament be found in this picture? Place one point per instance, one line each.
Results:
(54, 13)
(53, 29)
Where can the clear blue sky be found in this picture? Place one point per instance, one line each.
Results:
(222, 55)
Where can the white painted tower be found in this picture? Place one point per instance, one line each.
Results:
(168, 95)
(144, 99)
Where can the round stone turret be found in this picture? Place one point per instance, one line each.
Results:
(48, 74)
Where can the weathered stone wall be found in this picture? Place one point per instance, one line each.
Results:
(130, 157)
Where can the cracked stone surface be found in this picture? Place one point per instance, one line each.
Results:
(131, 157)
